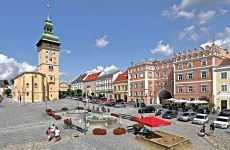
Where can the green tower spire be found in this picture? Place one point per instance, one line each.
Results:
(48, 35)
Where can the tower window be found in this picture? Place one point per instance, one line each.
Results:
(27, 85)
(50, 68)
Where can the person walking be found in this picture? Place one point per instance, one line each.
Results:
(49, 134)
(52, 129)
(57, 134)
(212, 128)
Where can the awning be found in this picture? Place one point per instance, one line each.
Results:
(153, 122)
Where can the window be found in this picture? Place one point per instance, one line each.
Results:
(224, 75)
(204, 62)
(150, 84)
(190, 88)
(157, 74)
(131, 93)
(135, 76)
(203, 88)
(141, 75)
(224, 88)
(27, 94)
(179, 89)
(50, 68)
(164, 73)
(150, 74)
(131, 86)
(189, 76)
(165, 65)
(122, 87)
(180, 67)
(130, 76)
(180, 76)
(35, 85)
(126, 87)
(189, 65)
(27, 85)
(136, 86)
(136, 93)
(141, 85)
(114, 88)
(203, 74)
(165, 83)
(119, 88)
(51, 78)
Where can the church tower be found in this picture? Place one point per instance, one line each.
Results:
(48, 60)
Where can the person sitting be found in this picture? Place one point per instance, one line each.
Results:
(145, 131)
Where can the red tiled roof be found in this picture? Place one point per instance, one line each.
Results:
(122, 77)
(92, 77)
(225, 62)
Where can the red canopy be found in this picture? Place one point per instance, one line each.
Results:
(153, 122)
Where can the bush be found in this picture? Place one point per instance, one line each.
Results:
(119, 131)
(99, 131)
(64, 108)
(67, 121)
(49, 110)
(114, 114)
(80, 108)
(133, 118)
(89, 110)
(57, 117)
(139, 125)
(50, 113)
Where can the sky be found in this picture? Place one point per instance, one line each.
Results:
(108, 34)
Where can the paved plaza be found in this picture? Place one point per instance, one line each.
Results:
(23, 126)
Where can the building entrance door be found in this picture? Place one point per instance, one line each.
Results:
(223, 104)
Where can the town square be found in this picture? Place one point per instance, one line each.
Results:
(85, 75)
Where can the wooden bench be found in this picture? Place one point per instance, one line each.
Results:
(130, 129)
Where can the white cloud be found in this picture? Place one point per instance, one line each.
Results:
(65, 51)
(204, 29)
(102, 42)
(223, 11)
(10, 68)
(176, 12)
(189, 33)
(186, 4)
(105, 70)
(222, 39)
(204, 17)
(162, 49)
(63, 74)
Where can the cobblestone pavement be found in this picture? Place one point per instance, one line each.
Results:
(23, 127)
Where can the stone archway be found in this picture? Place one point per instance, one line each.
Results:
(163, 94)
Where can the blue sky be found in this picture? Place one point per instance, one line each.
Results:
(99, 34)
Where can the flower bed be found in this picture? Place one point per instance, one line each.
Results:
(114, 114)
(49, 110)
(67, 121)
(99, 131)
(119, 131)
(133, 118)
(57, 117)
(64, 108)
(51, 113)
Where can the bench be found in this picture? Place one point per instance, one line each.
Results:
(130, 129)
(80, 129)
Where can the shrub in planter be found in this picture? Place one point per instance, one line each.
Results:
(64, 108)
(99, 131)
(51, 113)
(67, 121)
(119, 131)
(57, 117)
(133, 118)
(114, 114)
(49, 110)
(139, 125)
(89, 110)
(80, 108)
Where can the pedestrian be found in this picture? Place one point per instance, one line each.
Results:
(49, 134)
(108, 110)
(203, 129)
(212, 127)
(52, 129)
(57, 134)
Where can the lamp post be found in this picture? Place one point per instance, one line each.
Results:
(85, 119)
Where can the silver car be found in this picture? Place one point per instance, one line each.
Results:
(187, 116)
(119, 105)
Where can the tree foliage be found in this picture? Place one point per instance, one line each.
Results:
(7, 91)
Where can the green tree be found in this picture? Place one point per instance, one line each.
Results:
(79, 92)
(84, 94)
(12, 81)
(70, 92)
(100, 95)
(92, 94)
(7, 91)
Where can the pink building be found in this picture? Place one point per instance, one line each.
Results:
(193, 72)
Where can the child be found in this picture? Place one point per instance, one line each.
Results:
(49, 134)
(57, 134)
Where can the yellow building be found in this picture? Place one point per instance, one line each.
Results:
(221, 85)
(44, 84)
(120, 87)
(63, 87)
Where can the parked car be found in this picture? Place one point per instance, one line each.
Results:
(225, 112)
(222, 122)
(119, 105)
(146, 109)
(131, 103)
(187, 116)
(170, 114)
(201, 119)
